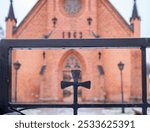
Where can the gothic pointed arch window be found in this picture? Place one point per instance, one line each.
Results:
(71, 63)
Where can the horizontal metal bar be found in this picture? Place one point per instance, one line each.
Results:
(42, 105)
(108, 105)
(74, 43)
(72, 105)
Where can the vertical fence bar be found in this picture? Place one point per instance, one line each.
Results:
(144, 81)
(4, 95)
(75, 108)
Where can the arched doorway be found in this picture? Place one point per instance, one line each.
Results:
(71, 63)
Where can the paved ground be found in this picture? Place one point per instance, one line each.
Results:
(89, 111)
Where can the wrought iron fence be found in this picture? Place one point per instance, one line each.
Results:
(5, 70)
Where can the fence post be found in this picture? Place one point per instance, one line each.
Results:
(144, 81)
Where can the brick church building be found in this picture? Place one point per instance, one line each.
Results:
(42, 70)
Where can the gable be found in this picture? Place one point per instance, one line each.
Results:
(107, 22)
(110, 22)
(35, 18)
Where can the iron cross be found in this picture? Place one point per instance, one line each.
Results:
(75, 84)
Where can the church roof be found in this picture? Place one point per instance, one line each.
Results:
(135, 12)
(11, 14)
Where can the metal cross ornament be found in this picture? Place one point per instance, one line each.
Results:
(75, 84)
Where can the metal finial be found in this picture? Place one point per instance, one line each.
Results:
(11, 1)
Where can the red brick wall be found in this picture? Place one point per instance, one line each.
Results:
(106, 22)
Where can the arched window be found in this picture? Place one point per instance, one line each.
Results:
(71, 63)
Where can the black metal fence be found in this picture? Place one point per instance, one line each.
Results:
(5, 69)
